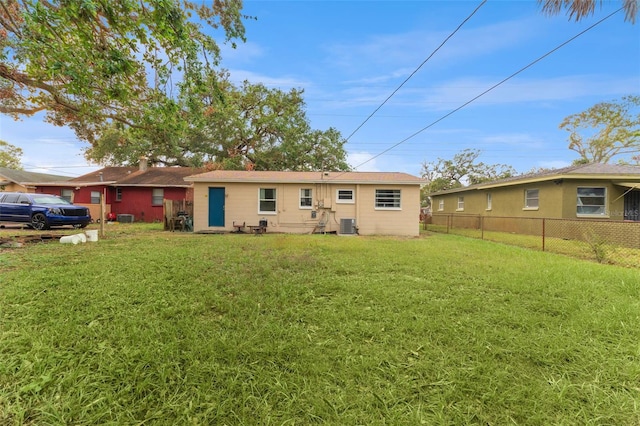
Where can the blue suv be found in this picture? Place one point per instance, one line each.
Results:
(41, 211)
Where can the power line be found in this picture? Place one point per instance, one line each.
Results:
(489, 89)
(56, 169)
(417, 69)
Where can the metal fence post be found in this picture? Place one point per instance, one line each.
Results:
(543, 232)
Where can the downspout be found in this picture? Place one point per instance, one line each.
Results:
(357, 207)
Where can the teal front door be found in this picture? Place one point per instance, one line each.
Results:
(216, 206)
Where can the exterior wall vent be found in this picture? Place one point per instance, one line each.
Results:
(347, 226)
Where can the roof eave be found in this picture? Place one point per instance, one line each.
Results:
(568, 176)
(74, 184)
(303, 181)
(612, 177)
(150, 185)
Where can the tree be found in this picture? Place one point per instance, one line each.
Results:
(460, 171)
(91, 63)
(605, 130)
(10, 156)
(137, 78)
(243, 127)
(579, 9)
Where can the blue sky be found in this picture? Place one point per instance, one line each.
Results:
(349, 56)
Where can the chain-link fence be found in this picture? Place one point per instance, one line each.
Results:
(604, 241)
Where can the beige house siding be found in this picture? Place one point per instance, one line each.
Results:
(242, 206)
(16, 187)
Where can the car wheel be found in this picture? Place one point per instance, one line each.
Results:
(39, 222)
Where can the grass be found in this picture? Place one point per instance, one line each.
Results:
(152, 327)
(592, 248)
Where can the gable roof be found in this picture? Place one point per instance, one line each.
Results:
(306, 177)
(22, 177)
(133, 176)
(159, 176)
(621, 174)
(106, 174)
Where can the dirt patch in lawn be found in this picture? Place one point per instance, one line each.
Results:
(21, 240)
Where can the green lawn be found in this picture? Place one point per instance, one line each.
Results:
(595, 250)
(152, 327)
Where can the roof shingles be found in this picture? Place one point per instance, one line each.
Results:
(596, 170)
(305, 177)
(132, 176)
(23, 177)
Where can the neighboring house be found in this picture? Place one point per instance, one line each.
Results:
(593, 191)
(21, 181)
(366, 203)
(135, 191)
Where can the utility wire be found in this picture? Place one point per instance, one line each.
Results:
(489, 89)
(417, 69)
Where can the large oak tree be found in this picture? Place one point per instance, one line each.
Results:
(606, 130)
(461, 170)
(140, 79)
(90, 63)
(233, 127)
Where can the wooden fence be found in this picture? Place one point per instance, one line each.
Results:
(175, 209)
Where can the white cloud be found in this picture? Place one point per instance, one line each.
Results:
(363, 161)
(284, 82)
(46, 148)
(452, 94)
(382, 78)
(455, 93)
(413, 47)
(519, 140)
(243, 53)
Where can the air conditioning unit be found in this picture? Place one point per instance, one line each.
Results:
(125, 218)
(347, 226)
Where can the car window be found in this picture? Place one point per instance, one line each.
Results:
(48, 199)
(23, 199)
(11, 198)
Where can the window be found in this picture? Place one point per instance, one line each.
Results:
(267, 200)
(488, 201)
(157, 196)
(95, 197)
(531, 199)
(10, 199)
(460, 204)
(441, 205)
(387, 198)
(118, 194)
(592, 201)
(345, 196)
(67, 194)
(306, 199)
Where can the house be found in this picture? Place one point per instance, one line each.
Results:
(365, 203)
(20, 181)
(593, 191)
(136, 193)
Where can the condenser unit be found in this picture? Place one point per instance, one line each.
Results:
(347, 226)
(125, 218)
